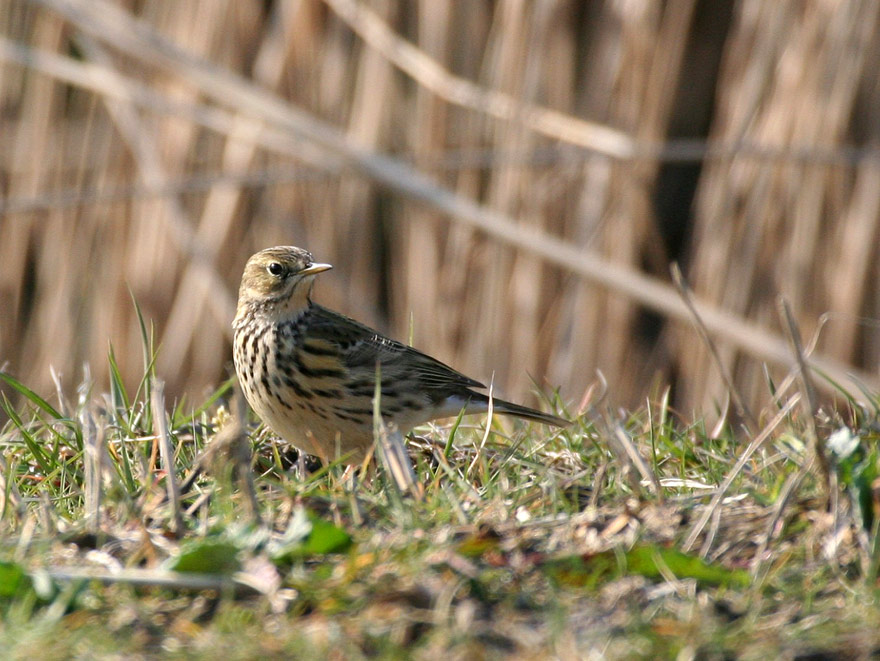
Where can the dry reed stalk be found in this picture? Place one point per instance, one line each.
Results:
(178, 224)
(852, 272)
(768, 228)
(487, 292)
(215, 224)
(367, 127)
(419, 246)
(196, 27)
(656, 42)
(742, 408)
(424, 67)
(491, 307)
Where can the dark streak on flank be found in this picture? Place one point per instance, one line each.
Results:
(361, 384)
(350, 418)
(328, 394)
(353, 410)
(282, 401)
(298, 389)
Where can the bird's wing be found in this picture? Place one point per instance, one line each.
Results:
(362, 347)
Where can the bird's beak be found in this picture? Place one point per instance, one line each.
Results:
(315, 268)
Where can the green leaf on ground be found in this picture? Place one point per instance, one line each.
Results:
(307, 535)
(650, 561)
(207, 556)
(13, 580)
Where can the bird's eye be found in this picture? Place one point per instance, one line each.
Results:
(275, 269)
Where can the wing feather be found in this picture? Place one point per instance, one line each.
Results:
(361, 347)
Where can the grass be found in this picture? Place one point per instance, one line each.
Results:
(636, 534)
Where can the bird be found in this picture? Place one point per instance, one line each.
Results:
(310, 373)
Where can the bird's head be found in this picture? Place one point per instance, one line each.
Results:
(278, 279)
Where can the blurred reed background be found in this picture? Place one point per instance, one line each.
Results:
(511, 179)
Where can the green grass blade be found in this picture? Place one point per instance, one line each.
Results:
(45, 463)
(447, 450)
(150, 355)
(31, 396)
(124, 471)
(212, 399)
(146, 338)
(44, 406)
(144, 393)
(118, 394)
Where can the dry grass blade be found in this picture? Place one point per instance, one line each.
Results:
(756, 443)
(810, 401)
(93, 455)
(231, 443)
(9, 495)
(234, 436)
(629, 456)
(166, 452)
(686, 296)
(479, 450)
(63, 404)
(395, 459)
(782, 500)
(158, 578)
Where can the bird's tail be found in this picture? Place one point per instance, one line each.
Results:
(509, 408)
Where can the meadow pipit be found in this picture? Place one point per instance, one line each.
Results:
(310, 373)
